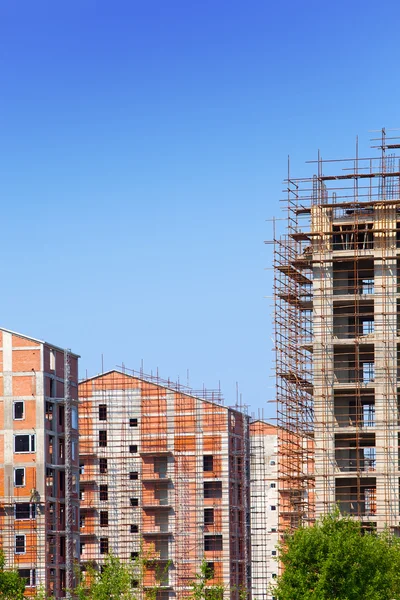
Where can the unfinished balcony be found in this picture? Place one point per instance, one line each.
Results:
(157, 550)
(156, 469)
(351, 237)
(156, 524)
(354, 278)
(354, 366)
(353, 321)
(354, 410)
(355, 453)
(156, 497)
(356, 497)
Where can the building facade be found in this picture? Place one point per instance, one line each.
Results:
(164, 474)
(39, 505)
(337, 291)
(264, 502)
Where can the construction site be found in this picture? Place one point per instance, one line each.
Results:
(139, 467)
(39, 481)
(164, 474)
(336, 292)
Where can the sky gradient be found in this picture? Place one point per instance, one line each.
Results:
(143, 148)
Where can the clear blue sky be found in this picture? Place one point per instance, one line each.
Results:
(143, 147)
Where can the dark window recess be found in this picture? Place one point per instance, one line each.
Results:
(24, 443)
(134, 528)
(19, 476)
(133, 422)
(134, 555)
(212, 542)
(102, 412)
(134, 501)
(133, 449)
(102, 439)
(208, 516)
(52, 392)
(29, 575)
(19, 544)
(208, 462)
(61, 413)
(103, 545)
(104, 492)
(61, 481)
(213, 489)
(210, 570)
(24, 510)
(103, 465)
(25, 574)
(104, 518)
(62, 546)
(18, 410)
(49, 411)
(133, 475)
(135, 583)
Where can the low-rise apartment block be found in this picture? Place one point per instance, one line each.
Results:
(165, 473)
(39, 506)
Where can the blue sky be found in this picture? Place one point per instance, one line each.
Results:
(143, 148)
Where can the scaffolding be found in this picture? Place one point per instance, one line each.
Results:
(337, 291)
(164, 476)
(264, 495)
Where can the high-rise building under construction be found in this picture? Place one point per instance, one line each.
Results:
(337, 291)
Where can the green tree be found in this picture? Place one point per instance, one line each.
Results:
(115, 581)
(12, 586)
(337, 559)
(202, 589)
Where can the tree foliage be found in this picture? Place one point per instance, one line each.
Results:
(337, 559)
(202, 589)
(113, 582)
(12, 586)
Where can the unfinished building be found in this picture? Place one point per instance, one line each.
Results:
(264, 499)
(164, 472)
(337, 291)
(39, 505)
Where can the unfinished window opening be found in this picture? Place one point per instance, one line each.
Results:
(18, 410)
(19, 476)
(61, 414)
(24, 511)
(29, 575)
(208, 463)
(212, 489)
(104, 518)
(208, 516)
(24, 443)
(103, 545)
(368, 372)
(103, 489)
(213, 543)
(20, 544)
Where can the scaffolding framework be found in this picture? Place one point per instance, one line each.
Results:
(337, 291)
(164, 475)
